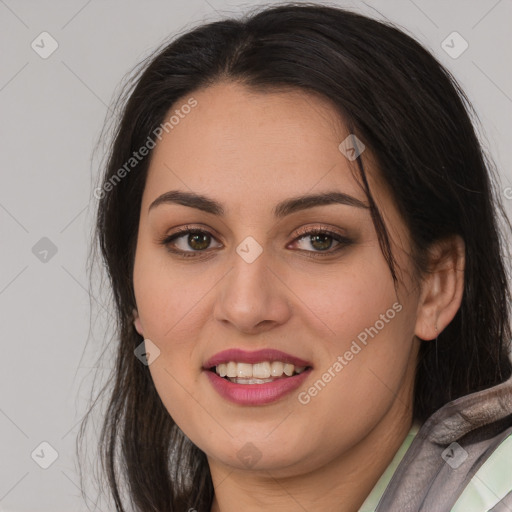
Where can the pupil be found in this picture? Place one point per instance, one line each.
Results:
(325, 241)
(198, 241)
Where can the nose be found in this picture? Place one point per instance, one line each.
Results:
(252, 297)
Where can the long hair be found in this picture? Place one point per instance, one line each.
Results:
(399, 100)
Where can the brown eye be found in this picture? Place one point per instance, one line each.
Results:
(318, 242)
(199, 241)
(188, 241)
(321, 242)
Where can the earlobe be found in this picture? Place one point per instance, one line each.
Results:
(136, 322)
(442, 287)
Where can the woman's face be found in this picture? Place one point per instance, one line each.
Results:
(267, 271)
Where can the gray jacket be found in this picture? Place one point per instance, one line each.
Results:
(432, 474)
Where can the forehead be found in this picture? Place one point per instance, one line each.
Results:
(237, 142)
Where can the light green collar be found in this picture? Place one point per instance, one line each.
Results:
(371, 502)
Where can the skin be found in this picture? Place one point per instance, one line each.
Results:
(250, 150)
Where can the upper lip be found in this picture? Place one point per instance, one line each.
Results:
(257, 356)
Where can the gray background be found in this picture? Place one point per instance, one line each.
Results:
(52, 112)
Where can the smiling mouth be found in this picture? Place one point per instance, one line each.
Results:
(258, 373)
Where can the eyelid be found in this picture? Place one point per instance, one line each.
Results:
(307, 230)
(183, 230)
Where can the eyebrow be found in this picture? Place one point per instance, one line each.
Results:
(282, 209)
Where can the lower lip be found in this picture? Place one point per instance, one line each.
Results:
(256, 394)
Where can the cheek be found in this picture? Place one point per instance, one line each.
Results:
(176, 389)
(367, 338)
(360, 380)
(349, 298)
(169, 297)
(171, 304)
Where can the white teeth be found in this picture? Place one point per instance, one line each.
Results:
(251, 381)
(261, 370)
(244, 370)
(265, 370)
(288, 369)
(231, 369)
(222, 369)
(276, 369)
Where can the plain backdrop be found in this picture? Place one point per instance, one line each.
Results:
(52, 112)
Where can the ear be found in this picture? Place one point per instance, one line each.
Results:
(136, 323)
(442, 287)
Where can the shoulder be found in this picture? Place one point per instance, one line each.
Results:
(460, 460)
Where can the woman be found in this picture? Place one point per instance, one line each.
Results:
(301, 234)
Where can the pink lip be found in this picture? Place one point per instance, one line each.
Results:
(256, 394)
(257, 356)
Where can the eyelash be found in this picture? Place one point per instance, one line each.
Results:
(186, 230)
